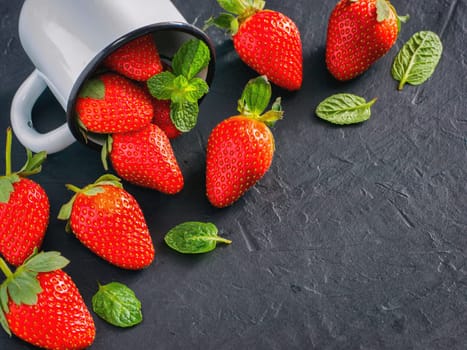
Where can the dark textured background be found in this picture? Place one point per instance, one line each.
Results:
(355, 239)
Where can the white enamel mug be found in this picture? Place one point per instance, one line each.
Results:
(67, 40)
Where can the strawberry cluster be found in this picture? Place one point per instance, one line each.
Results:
(137, 103)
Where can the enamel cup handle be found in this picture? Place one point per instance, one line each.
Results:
(21, 120)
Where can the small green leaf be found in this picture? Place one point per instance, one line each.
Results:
(224, 21)
(4, 323)
(184, 115)
(417, 60)
(4, 297)
(194, 237)
(93, 88)
(117, 304)
(191, 58)
(196, 89)
(383, 10)
(33, 163)
(344, 109)
(161, 85)
(255, 97)
(24, 288)
(6, 187)
(46, 262)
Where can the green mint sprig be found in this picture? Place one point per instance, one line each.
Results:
(181, 85)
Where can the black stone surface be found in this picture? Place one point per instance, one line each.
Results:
(355, 239)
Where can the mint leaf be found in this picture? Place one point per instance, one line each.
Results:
(194, 237)
(344, 109)
(255, 97)
(191, 58)
(196, 89)
(161, 85)
(417, 60)
(184, 115)
(117, 304)
(93, 88)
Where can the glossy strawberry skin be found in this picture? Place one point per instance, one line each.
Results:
(239, 152)
(23, 221)
(355, 39)
(125, 107)
(138, 60)
(162, 118)
(112, 225)
(60, 319)
(269, 42)
(146, 158)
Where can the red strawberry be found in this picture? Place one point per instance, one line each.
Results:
(145, 158)
(137, 60)
(240, 149)
(41, 304)
(359, 33)
(267, 41)
(111, 103)
(162, 118)
(24, 208)
(109, 221)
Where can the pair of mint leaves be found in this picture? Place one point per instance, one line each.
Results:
(118, 305)
(414, 64)
(181, 85)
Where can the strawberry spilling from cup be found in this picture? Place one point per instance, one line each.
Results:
(137, 103)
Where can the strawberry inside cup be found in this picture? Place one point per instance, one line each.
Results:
(136, 59)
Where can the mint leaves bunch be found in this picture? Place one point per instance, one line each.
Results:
(181, 85)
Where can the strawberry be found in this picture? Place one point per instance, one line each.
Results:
(240, 148)
(111, 103)
(359, 33)
(24, 208)
(137, 60)
(109, 221)
(41, 304)
(267, 41)
(145, 158)
(162, 118)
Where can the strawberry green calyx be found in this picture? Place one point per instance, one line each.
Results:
(89, 190)
(93, 88)
(255, 99)
(181, 86)
(238, 12)
(383, 12)
(32, 166)
(22, 286)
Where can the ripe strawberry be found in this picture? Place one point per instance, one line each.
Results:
(267, 41)
(359, 33)
(145, 158)
(240, 149)
(111, 103)
(41, 304)
(24, 208)
(109, 221)
(137, 60)
(162, 118)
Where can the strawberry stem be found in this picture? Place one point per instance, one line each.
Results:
(5, 269)
(73, 188)
(9, 139)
